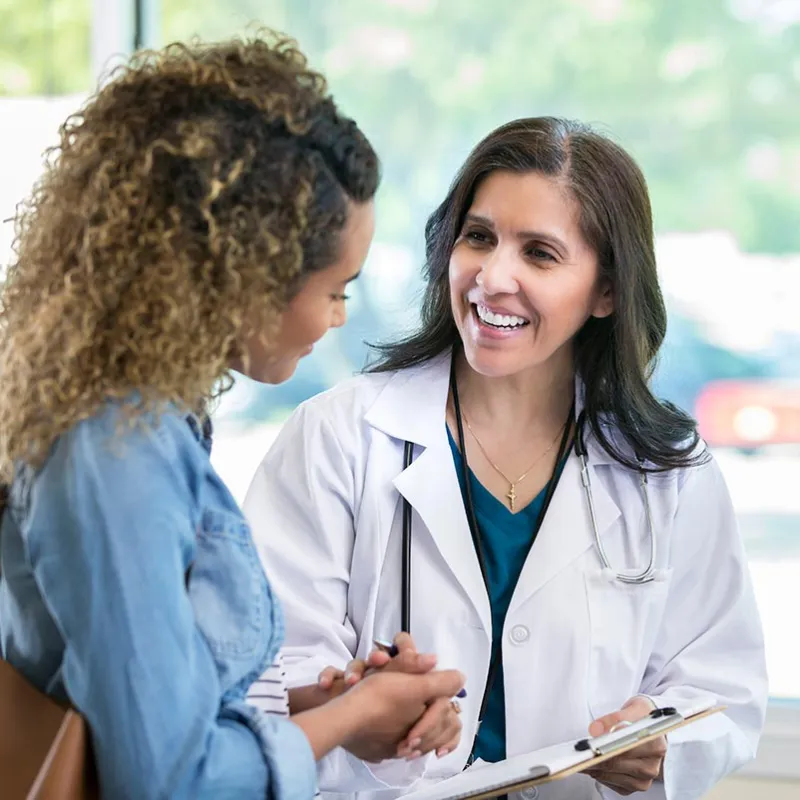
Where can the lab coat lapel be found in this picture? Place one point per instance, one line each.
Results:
(566, 531)
(431, 487)
(412, 408)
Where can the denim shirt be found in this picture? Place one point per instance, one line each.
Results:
(97, 548)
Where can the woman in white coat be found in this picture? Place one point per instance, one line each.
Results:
(527, 379)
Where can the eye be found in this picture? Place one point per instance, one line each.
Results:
(539, 254)
(477, 236)
(340, 298)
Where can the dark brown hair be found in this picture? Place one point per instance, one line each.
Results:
(615, 356)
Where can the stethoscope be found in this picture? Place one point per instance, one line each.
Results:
(645, 576)
(635, 578)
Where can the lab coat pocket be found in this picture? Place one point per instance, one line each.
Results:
(624, 622)
(227, 587)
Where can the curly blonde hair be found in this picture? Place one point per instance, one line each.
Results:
(194, 190)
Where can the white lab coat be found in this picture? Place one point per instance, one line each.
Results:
(326, 515)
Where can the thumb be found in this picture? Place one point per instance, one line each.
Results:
(635, 709)
(413, 662)
(404, 643)
(444, 683)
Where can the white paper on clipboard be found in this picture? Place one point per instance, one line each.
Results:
(537, 764)
(483, 777)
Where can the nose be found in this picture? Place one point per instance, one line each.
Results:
(498, 273)
(339, 317)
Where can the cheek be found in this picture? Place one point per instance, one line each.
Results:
(559, 300)
(319, 320)
(461, 274)
(306, 321)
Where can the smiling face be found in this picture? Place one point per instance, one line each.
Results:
(318, 306)
(522, 279)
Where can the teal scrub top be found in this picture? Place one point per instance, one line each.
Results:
(506, 539)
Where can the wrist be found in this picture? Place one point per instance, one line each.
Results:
(333, 724)
(305, 698)
(354, 713)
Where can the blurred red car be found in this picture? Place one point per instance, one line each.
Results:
(749, 414)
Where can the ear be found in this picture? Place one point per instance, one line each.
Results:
(604, 304)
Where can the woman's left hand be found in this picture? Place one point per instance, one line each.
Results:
(439, 728)
(636, 770)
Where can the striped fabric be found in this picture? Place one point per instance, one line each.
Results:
(269, 693)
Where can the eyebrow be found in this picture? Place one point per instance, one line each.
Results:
(547, 238)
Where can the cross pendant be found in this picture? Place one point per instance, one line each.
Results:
(512, 496)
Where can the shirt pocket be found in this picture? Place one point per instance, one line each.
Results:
(229, 594)
(624, 622)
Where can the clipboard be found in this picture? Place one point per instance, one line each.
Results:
(562, 760)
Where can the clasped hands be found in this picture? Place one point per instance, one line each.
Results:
(435, 727)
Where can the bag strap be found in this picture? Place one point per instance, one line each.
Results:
(3, 506)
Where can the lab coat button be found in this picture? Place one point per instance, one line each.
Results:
(529, 794)
(520, 634)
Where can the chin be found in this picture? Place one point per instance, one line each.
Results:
(495, 363)
(275, 373)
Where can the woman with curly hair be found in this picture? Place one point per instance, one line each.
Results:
(204, 212)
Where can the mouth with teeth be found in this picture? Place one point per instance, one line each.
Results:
(500, 322)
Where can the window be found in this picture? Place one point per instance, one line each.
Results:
(699, 93)
(45, 65)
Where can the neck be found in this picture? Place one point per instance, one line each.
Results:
(537, 399)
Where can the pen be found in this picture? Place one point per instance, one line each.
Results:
(386, 647)
(391, 649)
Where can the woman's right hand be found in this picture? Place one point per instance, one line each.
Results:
(407, 660)
(389, 703)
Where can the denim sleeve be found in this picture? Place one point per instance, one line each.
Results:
(109, 537)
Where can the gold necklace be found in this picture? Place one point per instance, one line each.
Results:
(512, 485)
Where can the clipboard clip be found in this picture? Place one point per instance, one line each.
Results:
(658, 720)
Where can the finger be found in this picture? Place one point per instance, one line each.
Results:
(645, 769)
(449, 727)
(623, 784)
(444, 734)
(442, 683)
(354, 671)
(639, 760)
(429, 722)
(450, 737)
(378, 659)
(635, 709)
(412, 662)
(437, 726)
(654, 750)
(451, 745)
(404, 643)
(659, 747)
(328, 676)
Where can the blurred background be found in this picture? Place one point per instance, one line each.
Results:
(704, 93)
